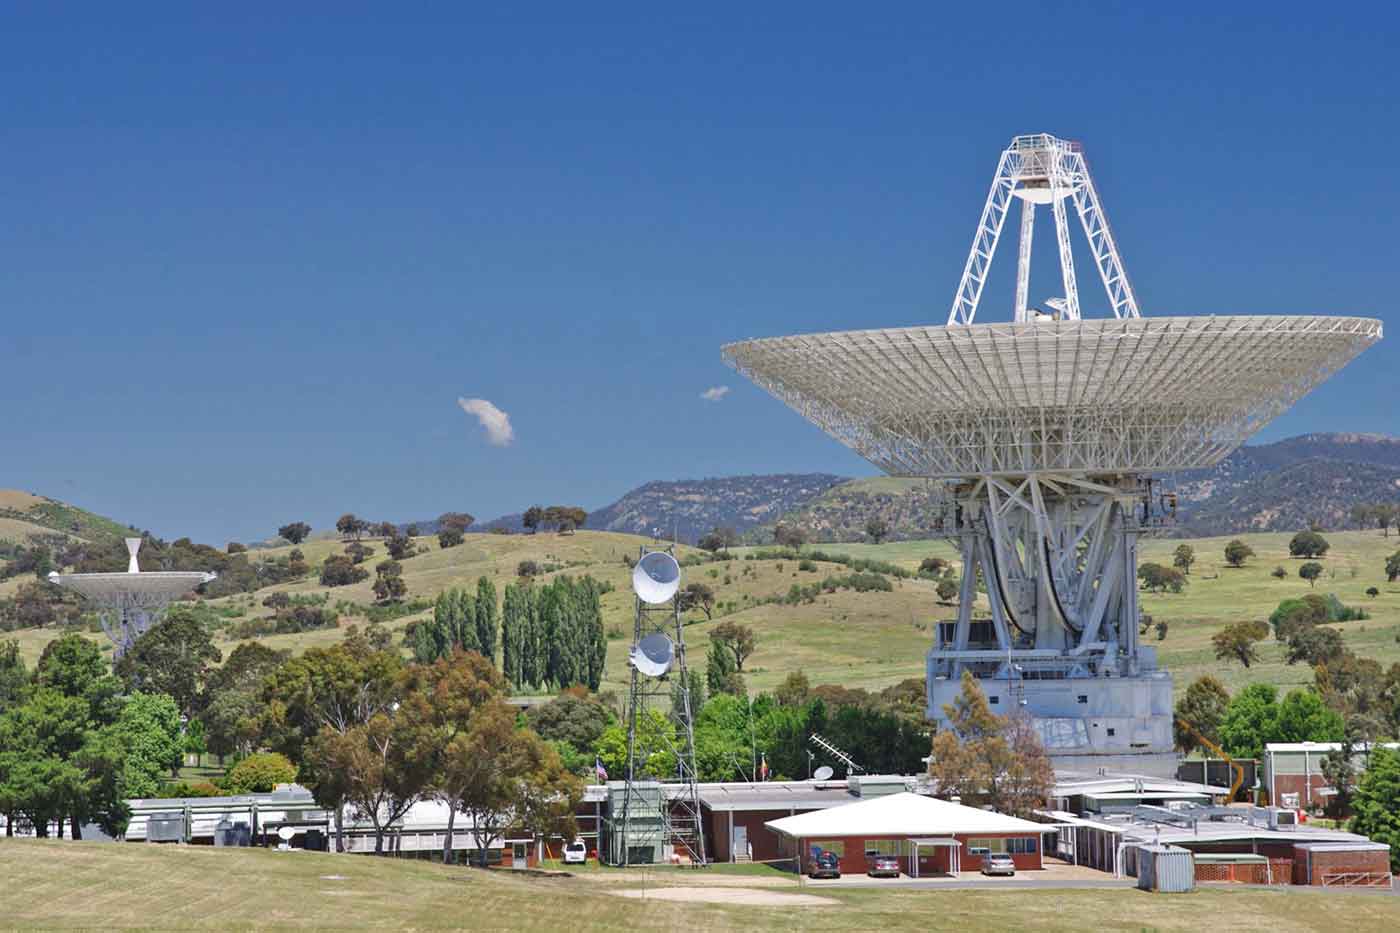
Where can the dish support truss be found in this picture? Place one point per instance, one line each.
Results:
(1042, 169)
(1057, 557)
(679, 820)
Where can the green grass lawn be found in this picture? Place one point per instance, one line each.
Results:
(53, 884)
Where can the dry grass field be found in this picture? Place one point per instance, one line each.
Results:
(875, 639)
(54, 884)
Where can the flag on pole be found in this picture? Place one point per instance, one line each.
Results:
(763, 768)
(599, 769)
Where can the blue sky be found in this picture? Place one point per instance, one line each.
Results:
(250, 262)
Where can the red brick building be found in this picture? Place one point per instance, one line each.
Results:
(930, 836)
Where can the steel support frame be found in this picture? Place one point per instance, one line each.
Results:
(1058, 555)
(673, 696)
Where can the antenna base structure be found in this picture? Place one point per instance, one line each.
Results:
(651, 815)
(1046, 432)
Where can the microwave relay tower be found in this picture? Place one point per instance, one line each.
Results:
(1046, 432)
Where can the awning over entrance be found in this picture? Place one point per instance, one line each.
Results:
(952, 845)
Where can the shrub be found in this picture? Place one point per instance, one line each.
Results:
(1372, 592)
(527, 568)
(807, 566)
(1278, 573)
(260, 773)
(450, 537)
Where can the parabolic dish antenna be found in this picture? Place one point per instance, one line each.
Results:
(653, 655)
(1046, 432)
(824, 773)
(656, 577)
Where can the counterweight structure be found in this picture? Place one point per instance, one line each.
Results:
(1047, 431)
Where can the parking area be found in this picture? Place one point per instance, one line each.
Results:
(1053, 875)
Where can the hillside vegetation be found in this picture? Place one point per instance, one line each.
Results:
(865, 639)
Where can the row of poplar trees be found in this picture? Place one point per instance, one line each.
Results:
(551, 635)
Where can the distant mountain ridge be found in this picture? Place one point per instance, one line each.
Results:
(1280, 486)
(1289, 484)
(689, 508)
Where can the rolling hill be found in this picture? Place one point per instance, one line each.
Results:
(26, 517)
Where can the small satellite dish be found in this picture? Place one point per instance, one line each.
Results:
(653, 655)
(824, 773)
(656, 577)
(286, 833)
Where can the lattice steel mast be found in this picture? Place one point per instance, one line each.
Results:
(651, 814)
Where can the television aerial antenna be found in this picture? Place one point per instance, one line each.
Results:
(834, 752)
(655, 815)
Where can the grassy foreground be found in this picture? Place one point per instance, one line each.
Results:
(66, 884)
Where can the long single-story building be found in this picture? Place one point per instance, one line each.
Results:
(930, 836)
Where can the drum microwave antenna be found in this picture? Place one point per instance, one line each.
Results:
(651, 816)
(1046, 432)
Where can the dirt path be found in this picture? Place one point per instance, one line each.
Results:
(745, 897)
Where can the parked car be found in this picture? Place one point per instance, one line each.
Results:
(825, 864)
(575, 853)
(998, 864)
(884, 866)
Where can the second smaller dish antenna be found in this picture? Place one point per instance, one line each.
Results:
(653, 655)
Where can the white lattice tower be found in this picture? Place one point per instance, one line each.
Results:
(1042, 169)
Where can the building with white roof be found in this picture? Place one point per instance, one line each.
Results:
(933, 836)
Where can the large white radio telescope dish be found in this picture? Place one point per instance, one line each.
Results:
(653, 655)
(656, 577)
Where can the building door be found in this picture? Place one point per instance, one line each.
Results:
(519, 855)
(740, 846)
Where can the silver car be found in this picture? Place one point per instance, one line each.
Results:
(998, 864)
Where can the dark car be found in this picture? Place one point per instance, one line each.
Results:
(884, 866)
(825, 864)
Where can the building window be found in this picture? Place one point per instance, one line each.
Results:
(1021, 846)
(837, 846)
(1082, 698)
(1112, 731)
(881, 847)
(985, 846)
(994, 699)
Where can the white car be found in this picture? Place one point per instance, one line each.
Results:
(575, 853)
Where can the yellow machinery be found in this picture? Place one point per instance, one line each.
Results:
(1211, 746)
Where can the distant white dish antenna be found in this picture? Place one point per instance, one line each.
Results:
(824, 773)
(656, 577)
(132, 546)
(653, 655)
(286, 833)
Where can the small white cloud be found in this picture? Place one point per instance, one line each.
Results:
(493, 420)
(715, 394)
